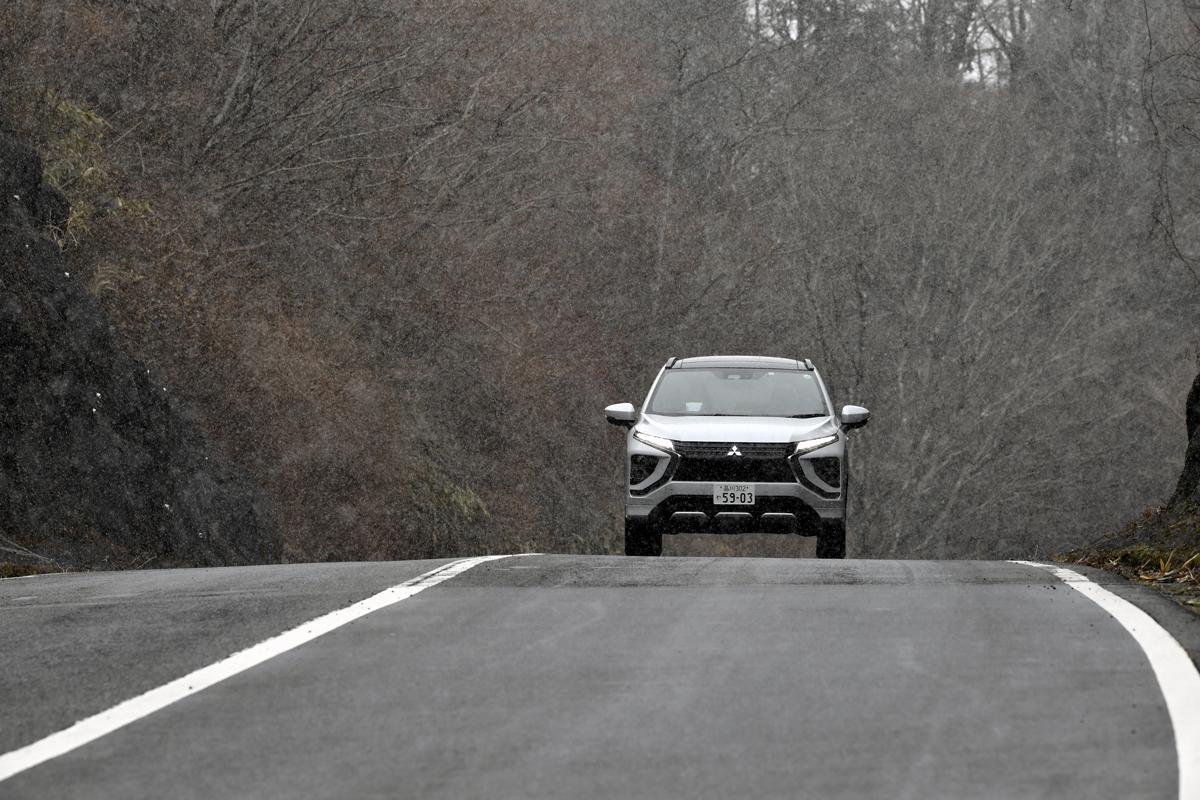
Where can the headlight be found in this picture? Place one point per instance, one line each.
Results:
(657, 442)
(808, 445)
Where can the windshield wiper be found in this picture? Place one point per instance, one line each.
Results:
(806, 416)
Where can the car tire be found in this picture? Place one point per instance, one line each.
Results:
(641, 539)
(831, 541)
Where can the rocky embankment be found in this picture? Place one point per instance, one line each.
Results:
(1187, 491)
(99, 466)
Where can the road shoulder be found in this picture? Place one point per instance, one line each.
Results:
(1183, 625)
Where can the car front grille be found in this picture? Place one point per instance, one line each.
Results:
(710, 461)
(722, 449)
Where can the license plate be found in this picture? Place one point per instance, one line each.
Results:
(733, 494)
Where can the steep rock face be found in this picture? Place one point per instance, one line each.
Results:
(98, 465)
(1187, 492)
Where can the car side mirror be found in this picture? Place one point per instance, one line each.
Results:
(854, 417)
(623, 414)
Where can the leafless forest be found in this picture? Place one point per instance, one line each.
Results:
(397, 255)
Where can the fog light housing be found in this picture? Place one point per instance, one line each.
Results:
(641, 467)
(828, 470)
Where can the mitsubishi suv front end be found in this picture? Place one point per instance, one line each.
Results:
(731, 444)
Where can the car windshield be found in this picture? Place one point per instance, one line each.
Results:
(738, 393)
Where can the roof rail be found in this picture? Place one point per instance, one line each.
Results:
(670, 362)
(808, 363)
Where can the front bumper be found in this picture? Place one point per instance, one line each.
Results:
(676, 506)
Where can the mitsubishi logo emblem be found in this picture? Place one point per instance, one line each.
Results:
(733, 451)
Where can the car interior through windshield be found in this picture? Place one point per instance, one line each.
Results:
(738, 392)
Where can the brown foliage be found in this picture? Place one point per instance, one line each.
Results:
(402, 252)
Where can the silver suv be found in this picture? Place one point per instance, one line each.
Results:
(731, 444)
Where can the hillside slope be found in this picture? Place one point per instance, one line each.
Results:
(1162, 547)
(100, 467)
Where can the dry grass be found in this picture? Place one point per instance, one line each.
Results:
(1161, 549)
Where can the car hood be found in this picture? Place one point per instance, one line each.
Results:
(735, 429)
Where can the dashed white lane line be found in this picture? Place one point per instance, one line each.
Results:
(1176, 674)
(133, 709)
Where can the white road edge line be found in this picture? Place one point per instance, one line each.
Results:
(1176, 674)
(133, 709)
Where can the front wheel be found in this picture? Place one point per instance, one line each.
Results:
(831, 541)
(641, 539)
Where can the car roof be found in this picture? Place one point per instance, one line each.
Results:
(735, 362)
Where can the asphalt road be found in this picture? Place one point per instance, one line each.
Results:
(566, 676)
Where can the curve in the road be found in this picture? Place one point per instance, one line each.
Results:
(1177, 676)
